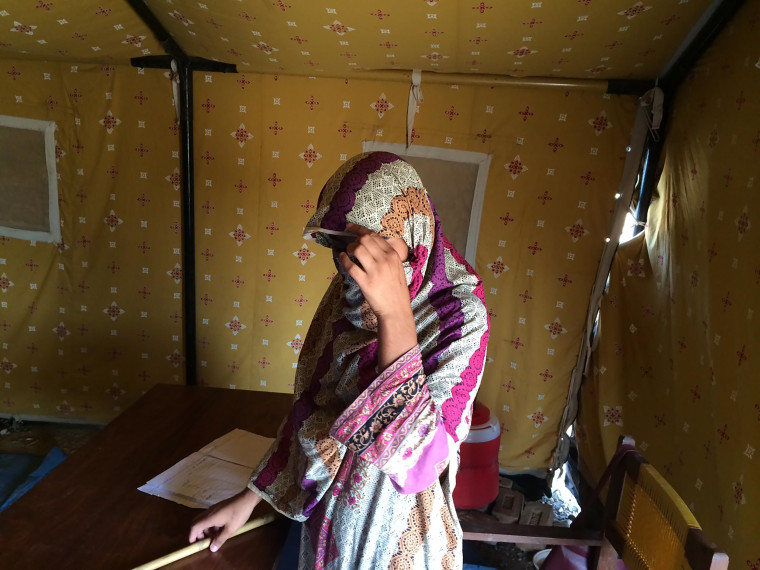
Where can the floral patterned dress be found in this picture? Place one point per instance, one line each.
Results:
(366, 457)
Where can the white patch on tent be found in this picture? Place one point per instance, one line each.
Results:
(175, 178)
(635, 10)
(241, 135)
(338, 28)
(538, 418)
(5, 283)
(515, 167)
(235, 325)
(266, 48)
(577, 230)
(177, 15)
(742, 223)
(613, 415)
(310, 155)
(555, 328)
(176, 273)
(239, 235)
(636, 268)
(600, 123)
(113, 311)
(498, 267)
(381, 105)
(296, 344)
(23, 28)
(109, 122)
(6, 365)
(112, 221)
(304, 254)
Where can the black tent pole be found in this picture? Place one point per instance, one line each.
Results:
(185, 66)
(188, 221)
(186, 143)
(713, 21)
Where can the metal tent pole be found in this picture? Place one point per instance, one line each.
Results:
(185, 66)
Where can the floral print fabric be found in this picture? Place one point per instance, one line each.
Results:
(362, 456)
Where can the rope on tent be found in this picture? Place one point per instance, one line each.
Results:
(415, 98)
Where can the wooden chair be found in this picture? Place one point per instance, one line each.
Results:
(644, 520)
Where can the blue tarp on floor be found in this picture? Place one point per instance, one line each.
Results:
(20, 472)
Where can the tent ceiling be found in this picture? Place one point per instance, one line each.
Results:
(573, 39)
(105, 31)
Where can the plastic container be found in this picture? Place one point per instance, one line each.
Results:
(478, 475)
(539, 557)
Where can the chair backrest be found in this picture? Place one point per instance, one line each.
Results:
(650, 526)
(647, 524)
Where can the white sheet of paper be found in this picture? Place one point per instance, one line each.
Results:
(214, 473)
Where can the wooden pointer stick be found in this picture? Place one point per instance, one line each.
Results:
(202, 544)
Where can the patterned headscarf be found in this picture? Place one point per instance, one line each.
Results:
(384, 193)
(339, 357)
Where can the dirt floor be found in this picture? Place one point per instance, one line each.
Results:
(508, 556)
(37, 438)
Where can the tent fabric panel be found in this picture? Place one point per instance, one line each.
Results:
(259, 288)
(584, 39)
(274, 279)
(91, 322)
(676, 364)
(264, 145)
(106, 31)
(548, 224)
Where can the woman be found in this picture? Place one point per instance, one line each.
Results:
(384, 388)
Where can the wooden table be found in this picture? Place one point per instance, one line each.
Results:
(87, 513)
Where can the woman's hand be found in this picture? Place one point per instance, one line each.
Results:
(222, 520)
(380, 275)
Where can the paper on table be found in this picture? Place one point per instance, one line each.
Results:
(212, 474)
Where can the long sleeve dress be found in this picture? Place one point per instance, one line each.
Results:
(368, 458)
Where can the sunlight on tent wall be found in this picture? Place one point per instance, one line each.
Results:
(677, 364)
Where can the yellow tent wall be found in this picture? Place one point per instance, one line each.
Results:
(677, 364)
(90, 323)
(564, 149)
(263, 147)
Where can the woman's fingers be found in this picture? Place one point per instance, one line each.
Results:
(204, 526)
(216, 543)
(375, 263)
(370, 256)
(358, 230)
(223, 519)
(369, 248)
(217, 530)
